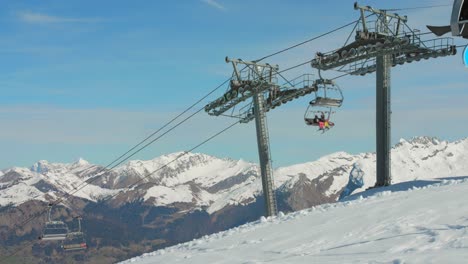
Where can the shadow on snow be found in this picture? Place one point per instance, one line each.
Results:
(401, 187)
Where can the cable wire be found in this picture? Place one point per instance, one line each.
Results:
(306, 41)
(417, 7)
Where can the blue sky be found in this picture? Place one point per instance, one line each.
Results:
(91, 78)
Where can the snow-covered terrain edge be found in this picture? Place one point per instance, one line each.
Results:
(409, 222)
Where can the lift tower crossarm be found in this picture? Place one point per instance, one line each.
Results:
(380, 12)
(251, 63)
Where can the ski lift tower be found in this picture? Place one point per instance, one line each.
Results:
(259, 82)
(379, 45)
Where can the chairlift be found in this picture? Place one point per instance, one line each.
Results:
(75, 240)
(327, 96)
(54, 230)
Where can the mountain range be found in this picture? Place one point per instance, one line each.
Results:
(177, 197)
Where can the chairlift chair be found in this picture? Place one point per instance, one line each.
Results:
(75, 240)
(327, 96)
(54, 230)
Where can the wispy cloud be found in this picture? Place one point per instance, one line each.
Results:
(38, 18)
(214, 4)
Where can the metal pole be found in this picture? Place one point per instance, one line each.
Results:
(79, 224)
(264, 154)
(50, 209)
(383, 121)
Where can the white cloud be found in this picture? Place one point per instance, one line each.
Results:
(38, 18)
(214, 4)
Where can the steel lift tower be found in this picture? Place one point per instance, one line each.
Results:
(259, 82)
(379, 45)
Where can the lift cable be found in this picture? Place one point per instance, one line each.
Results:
(306, 41)
(351, 33)
(417, 7)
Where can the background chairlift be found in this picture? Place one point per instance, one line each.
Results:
(75, 240)
(54, 230)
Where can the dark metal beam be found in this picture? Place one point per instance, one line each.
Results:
(383, 121)
(263, 143)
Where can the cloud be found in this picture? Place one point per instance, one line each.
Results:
(214, 4)
(38, 18)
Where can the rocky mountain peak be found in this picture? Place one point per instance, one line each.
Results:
(81, 162)
(41, 166)
(425, 140)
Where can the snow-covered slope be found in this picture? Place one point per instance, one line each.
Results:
(427, 224)
(210, 183)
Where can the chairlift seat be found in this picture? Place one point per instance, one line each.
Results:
(55, 230)
(330, 102)
(74, 241)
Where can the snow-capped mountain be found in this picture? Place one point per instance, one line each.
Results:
(205, 182)
(47, 181)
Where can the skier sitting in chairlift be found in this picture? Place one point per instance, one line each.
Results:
(322, 117)
(315, 120)
(324, 124)
(322, 121)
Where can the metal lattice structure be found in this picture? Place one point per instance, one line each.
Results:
(256, 78)
(379, 45)
(251, 93)
(387, 35)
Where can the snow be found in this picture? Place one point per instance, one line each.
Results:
(236, 196)
(167, 195)
(410, 222)
(19, 194)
